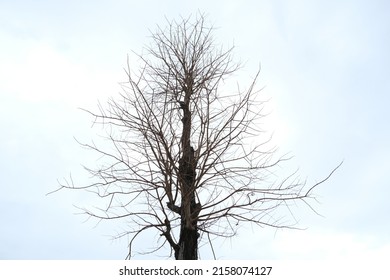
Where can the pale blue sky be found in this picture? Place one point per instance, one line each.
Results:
(325, 66)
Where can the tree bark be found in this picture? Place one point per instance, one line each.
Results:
(188, 241)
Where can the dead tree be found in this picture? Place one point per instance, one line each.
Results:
(185, 157)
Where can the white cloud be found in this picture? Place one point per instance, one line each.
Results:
(331, 245)
(39, 72)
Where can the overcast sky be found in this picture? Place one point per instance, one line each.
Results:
(324, 64)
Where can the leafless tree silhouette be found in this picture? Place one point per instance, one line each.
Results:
(186, 158)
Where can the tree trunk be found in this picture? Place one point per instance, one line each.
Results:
(188, 244)
(188, 241)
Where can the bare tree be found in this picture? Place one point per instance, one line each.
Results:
(186, 160)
